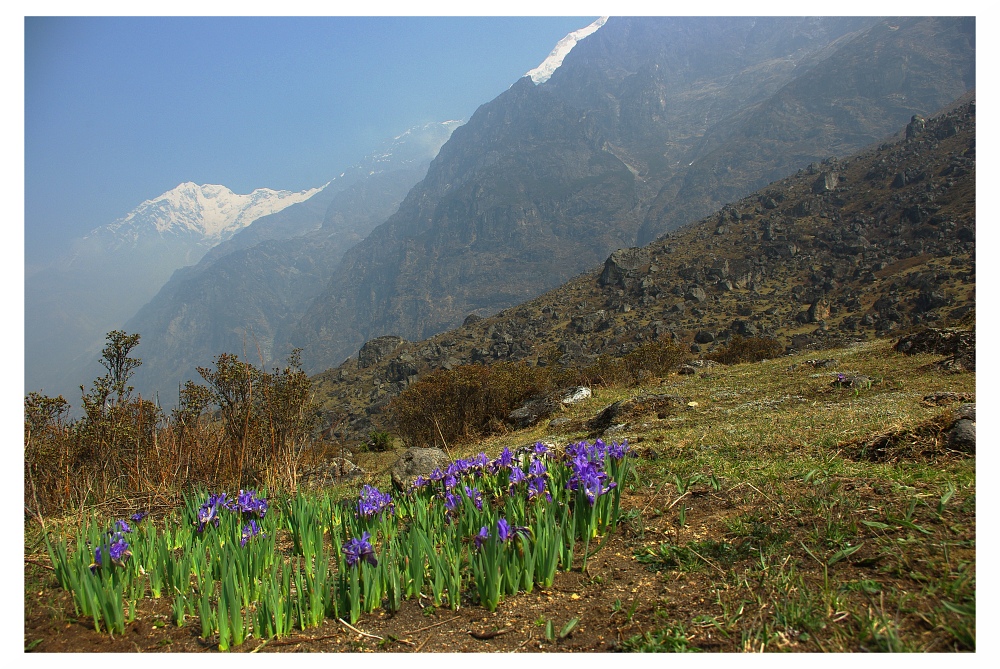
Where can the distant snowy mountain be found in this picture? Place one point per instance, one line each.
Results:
(542, 73)
(209, 213)
(72, 303)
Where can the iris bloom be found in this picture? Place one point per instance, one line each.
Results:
(356, 550)
(481, 538)
(475, 496)
(537, 468)
(373, 502)
(516, 476)
(536, 486)
(503, 530)
(248, 502)
(136, 517)
(117, 551)
(590, 477)
(504, 460)
(250, 531)
(618, 451)
(209, 511)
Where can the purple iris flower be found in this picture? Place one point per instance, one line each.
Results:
(479, 462)
(481, 538)
(451, 501)
(457, 468)
(250, 531)
(536, 486)
(516, 476)
(209, 511)
(475, 496)
(122, 526)
(450, 481)
(589, 477)
(356, 550)
(618, 451)
(419, 482)
(437, 474)
(503, 530)
(505, 459)
(248, 502)
(537, 468)
(136, 517)
(373, 502)
(540, 449)
(117, 552)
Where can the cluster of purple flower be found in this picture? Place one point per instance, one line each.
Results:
(537, 475)
(116, 547)
(210, 510)
(372, 502)
(356, 550)
(586, 462)
(598, 451)
(246, 502)
(452, 501)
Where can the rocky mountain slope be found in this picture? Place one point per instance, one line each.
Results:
(848, 249)
(647, 124)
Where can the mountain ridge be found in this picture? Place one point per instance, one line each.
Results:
(873, 245)
(546, 180)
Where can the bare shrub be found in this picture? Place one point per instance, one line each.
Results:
(749, 349)
(465, 402)
(650, 360)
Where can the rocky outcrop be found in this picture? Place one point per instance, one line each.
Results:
(626, 410)
(378, 349)
(958, 345)
(623, 264)
(961, 435)
(416, 462)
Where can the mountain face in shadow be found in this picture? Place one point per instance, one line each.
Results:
(648, 124)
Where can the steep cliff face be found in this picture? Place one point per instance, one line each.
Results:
(648, 124)
(868, 83)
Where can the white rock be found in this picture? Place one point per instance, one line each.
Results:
(577, 395)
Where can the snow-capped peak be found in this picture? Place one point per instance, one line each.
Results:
(542, 73)
(210, 211)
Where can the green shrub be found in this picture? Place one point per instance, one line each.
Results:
(749, 349)
(379, 441)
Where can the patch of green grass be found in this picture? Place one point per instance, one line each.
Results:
(694, 556)
(671, 639)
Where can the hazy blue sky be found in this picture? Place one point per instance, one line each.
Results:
(119, 110)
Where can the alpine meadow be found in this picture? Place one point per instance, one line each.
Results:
(668, 347)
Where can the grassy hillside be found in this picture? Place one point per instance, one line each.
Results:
(773, 510)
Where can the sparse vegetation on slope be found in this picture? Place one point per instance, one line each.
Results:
(753, 523)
